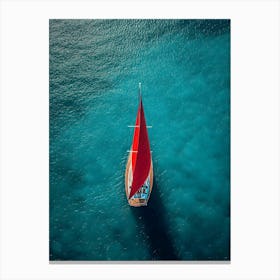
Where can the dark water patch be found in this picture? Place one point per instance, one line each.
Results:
(198, 28)
(155, 227)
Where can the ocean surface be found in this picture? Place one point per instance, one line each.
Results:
(94, 69)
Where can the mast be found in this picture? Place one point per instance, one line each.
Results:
(139, 93)
(141, 159)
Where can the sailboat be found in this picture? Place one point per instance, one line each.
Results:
(139, 167)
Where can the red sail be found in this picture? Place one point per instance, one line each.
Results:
(142, 163)
(135, 140)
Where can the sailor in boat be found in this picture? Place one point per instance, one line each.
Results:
(143, 192)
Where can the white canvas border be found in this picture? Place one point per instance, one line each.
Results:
(254, 138)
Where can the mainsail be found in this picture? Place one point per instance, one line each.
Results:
(141, 155)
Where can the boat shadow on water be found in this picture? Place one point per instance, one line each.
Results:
(152, 221)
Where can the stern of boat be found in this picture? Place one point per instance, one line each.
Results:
(142, 196)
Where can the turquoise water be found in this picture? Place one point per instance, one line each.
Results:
(184, 67)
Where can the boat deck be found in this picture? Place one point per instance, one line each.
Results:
(141, 198)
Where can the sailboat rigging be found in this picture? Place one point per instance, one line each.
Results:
(139, 168)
